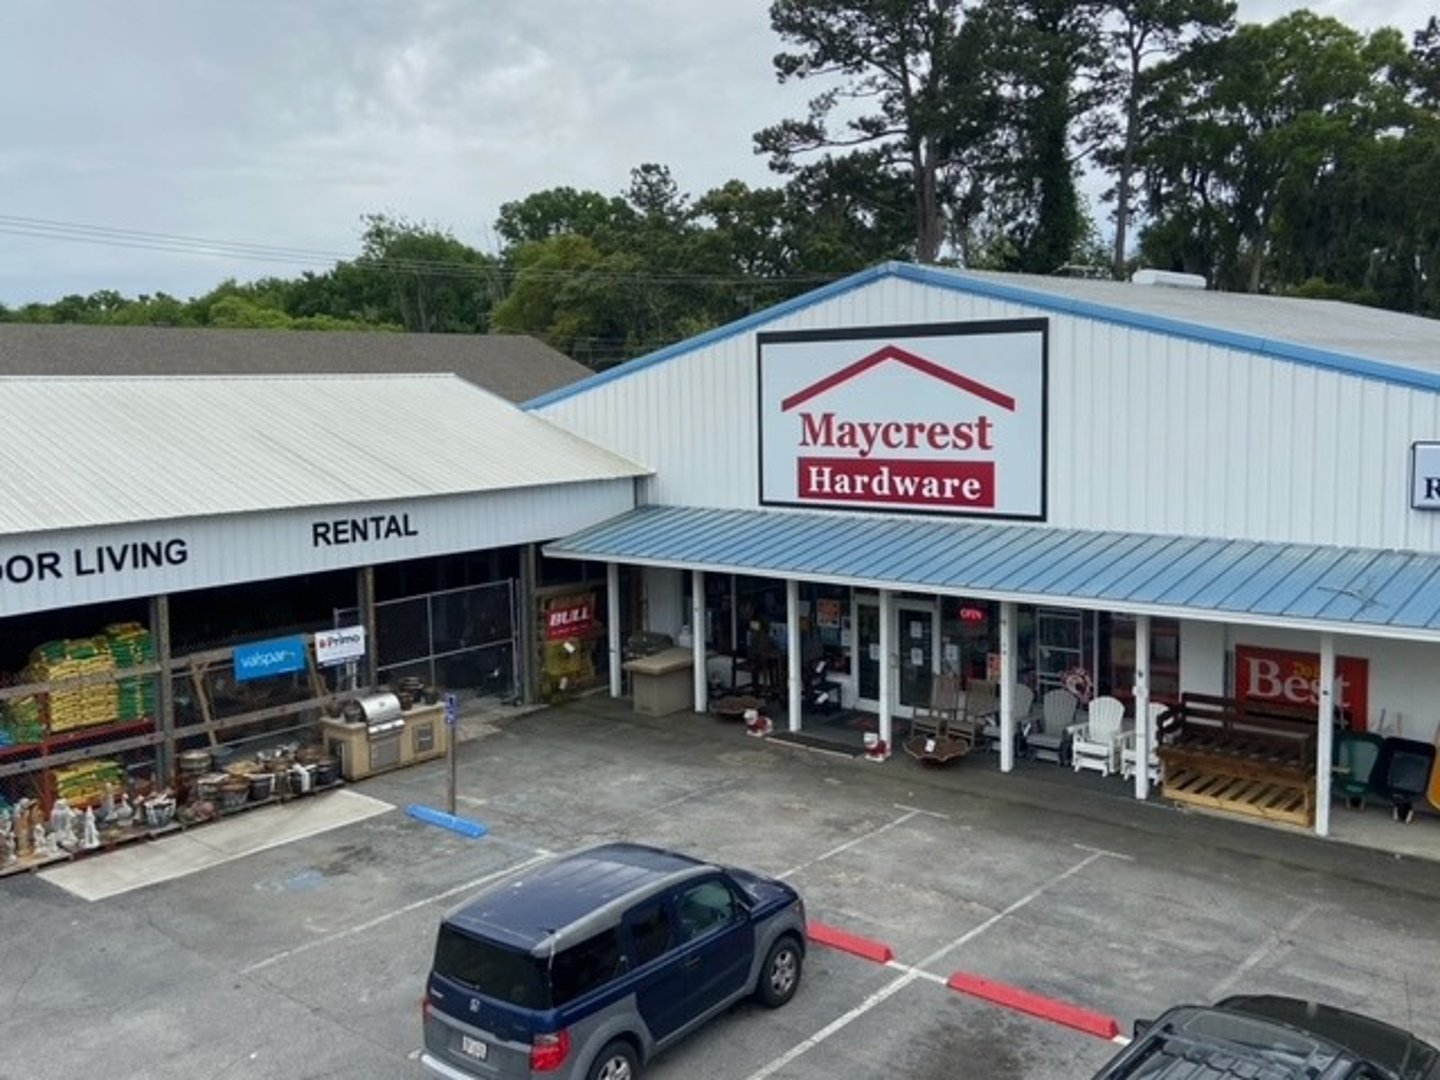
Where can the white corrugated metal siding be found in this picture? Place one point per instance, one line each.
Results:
(234, 548)
(78, 452)
(1148, 432)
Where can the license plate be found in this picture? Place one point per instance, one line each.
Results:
(476, 1048)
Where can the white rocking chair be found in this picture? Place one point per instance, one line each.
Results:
(1050, 740)
(1096, 744)
(1128, 753)
(1022, 700)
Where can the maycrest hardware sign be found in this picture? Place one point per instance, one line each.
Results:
(938, 418)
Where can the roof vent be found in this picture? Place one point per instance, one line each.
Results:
(1170, 279)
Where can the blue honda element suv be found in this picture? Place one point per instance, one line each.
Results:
(590, 963)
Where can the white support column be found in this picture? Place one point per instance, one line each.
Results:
(612, 625)
(734, 616)
(792, 652)
(936, 628)
(697, 637)
(887, 665)
(1145, 735)
(1007, 686)
(1325, 743)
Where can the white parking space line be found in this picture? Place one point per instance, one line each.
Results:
(1105, 851)
(1268, 948)
(918, 971)
(1024, 901)
(928, 976)
(909, 815)
(360, 928)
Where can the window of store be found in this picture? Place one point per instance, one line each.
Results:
(970, 638)
(1118, 650)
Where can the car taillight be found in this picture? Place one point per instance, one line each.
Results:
(548, 1052)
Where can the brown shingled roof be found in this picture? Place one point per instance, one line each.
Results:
(513, 366)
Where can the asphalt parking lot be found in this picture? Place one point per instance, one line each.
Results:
(307, 960)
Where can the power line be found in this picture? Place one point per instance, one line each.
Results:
(112, 236)
(495, 271)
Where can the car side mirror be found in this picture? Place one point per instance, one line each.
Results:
(1142, 1026)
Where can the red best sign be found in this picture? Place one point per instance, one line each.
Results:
(1294, 679)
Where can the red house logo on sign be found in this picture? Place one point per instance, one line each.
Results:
(862, 476)
(944, 418)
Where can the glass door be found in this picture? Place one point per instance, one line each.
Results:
(914, 641)
(915, 635)
(867, 652)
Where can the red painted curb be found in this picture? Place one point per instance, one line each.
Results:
(1092, 1023)
(851, 943)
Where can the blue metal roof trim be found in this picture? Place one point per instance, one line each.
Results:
(959, 281)
(720, 333)
(1301, 354)
(1288, 582)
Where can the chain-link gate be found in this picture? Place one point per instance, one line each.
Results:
(464, 639)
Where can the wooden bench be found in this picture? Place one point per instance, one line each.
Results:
(1246, 757)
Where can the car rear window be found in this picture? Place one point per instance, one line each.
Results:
(487, 968)
(586, 966)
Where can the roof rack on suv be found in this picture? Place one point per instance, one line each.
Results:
(1271, 1038)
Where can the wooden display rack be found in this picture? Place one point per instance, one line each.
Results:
(1242, 757)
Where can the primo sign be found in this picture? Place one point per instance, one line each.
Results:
(939, 419)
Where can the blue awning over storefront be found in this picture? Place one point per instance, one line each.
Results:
(1394, 594)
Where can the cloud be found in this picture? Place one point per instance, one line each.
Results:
(282, 123)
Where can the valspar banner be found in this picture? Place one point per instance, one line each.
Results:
(940, 418)
(278, 656)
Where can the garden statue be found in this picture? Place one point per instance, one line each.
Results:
(90, 838)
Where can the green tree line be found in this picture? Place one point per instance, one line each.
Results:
(1297, 157)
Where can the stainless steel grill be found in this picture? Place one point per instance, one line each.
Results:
(381, 714)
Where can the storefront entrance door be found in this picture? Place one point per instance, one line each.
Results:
(913, 641)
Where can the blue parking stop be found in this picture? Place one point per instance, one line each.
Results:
(463, 826)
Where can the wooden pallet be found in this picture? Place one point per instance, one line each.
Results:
(1273, 798)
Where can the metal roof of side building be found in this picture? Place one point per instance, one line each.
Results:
(515, 366)
(89, 451)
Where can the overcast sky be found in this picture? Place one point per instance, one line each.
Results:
(147, 126)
